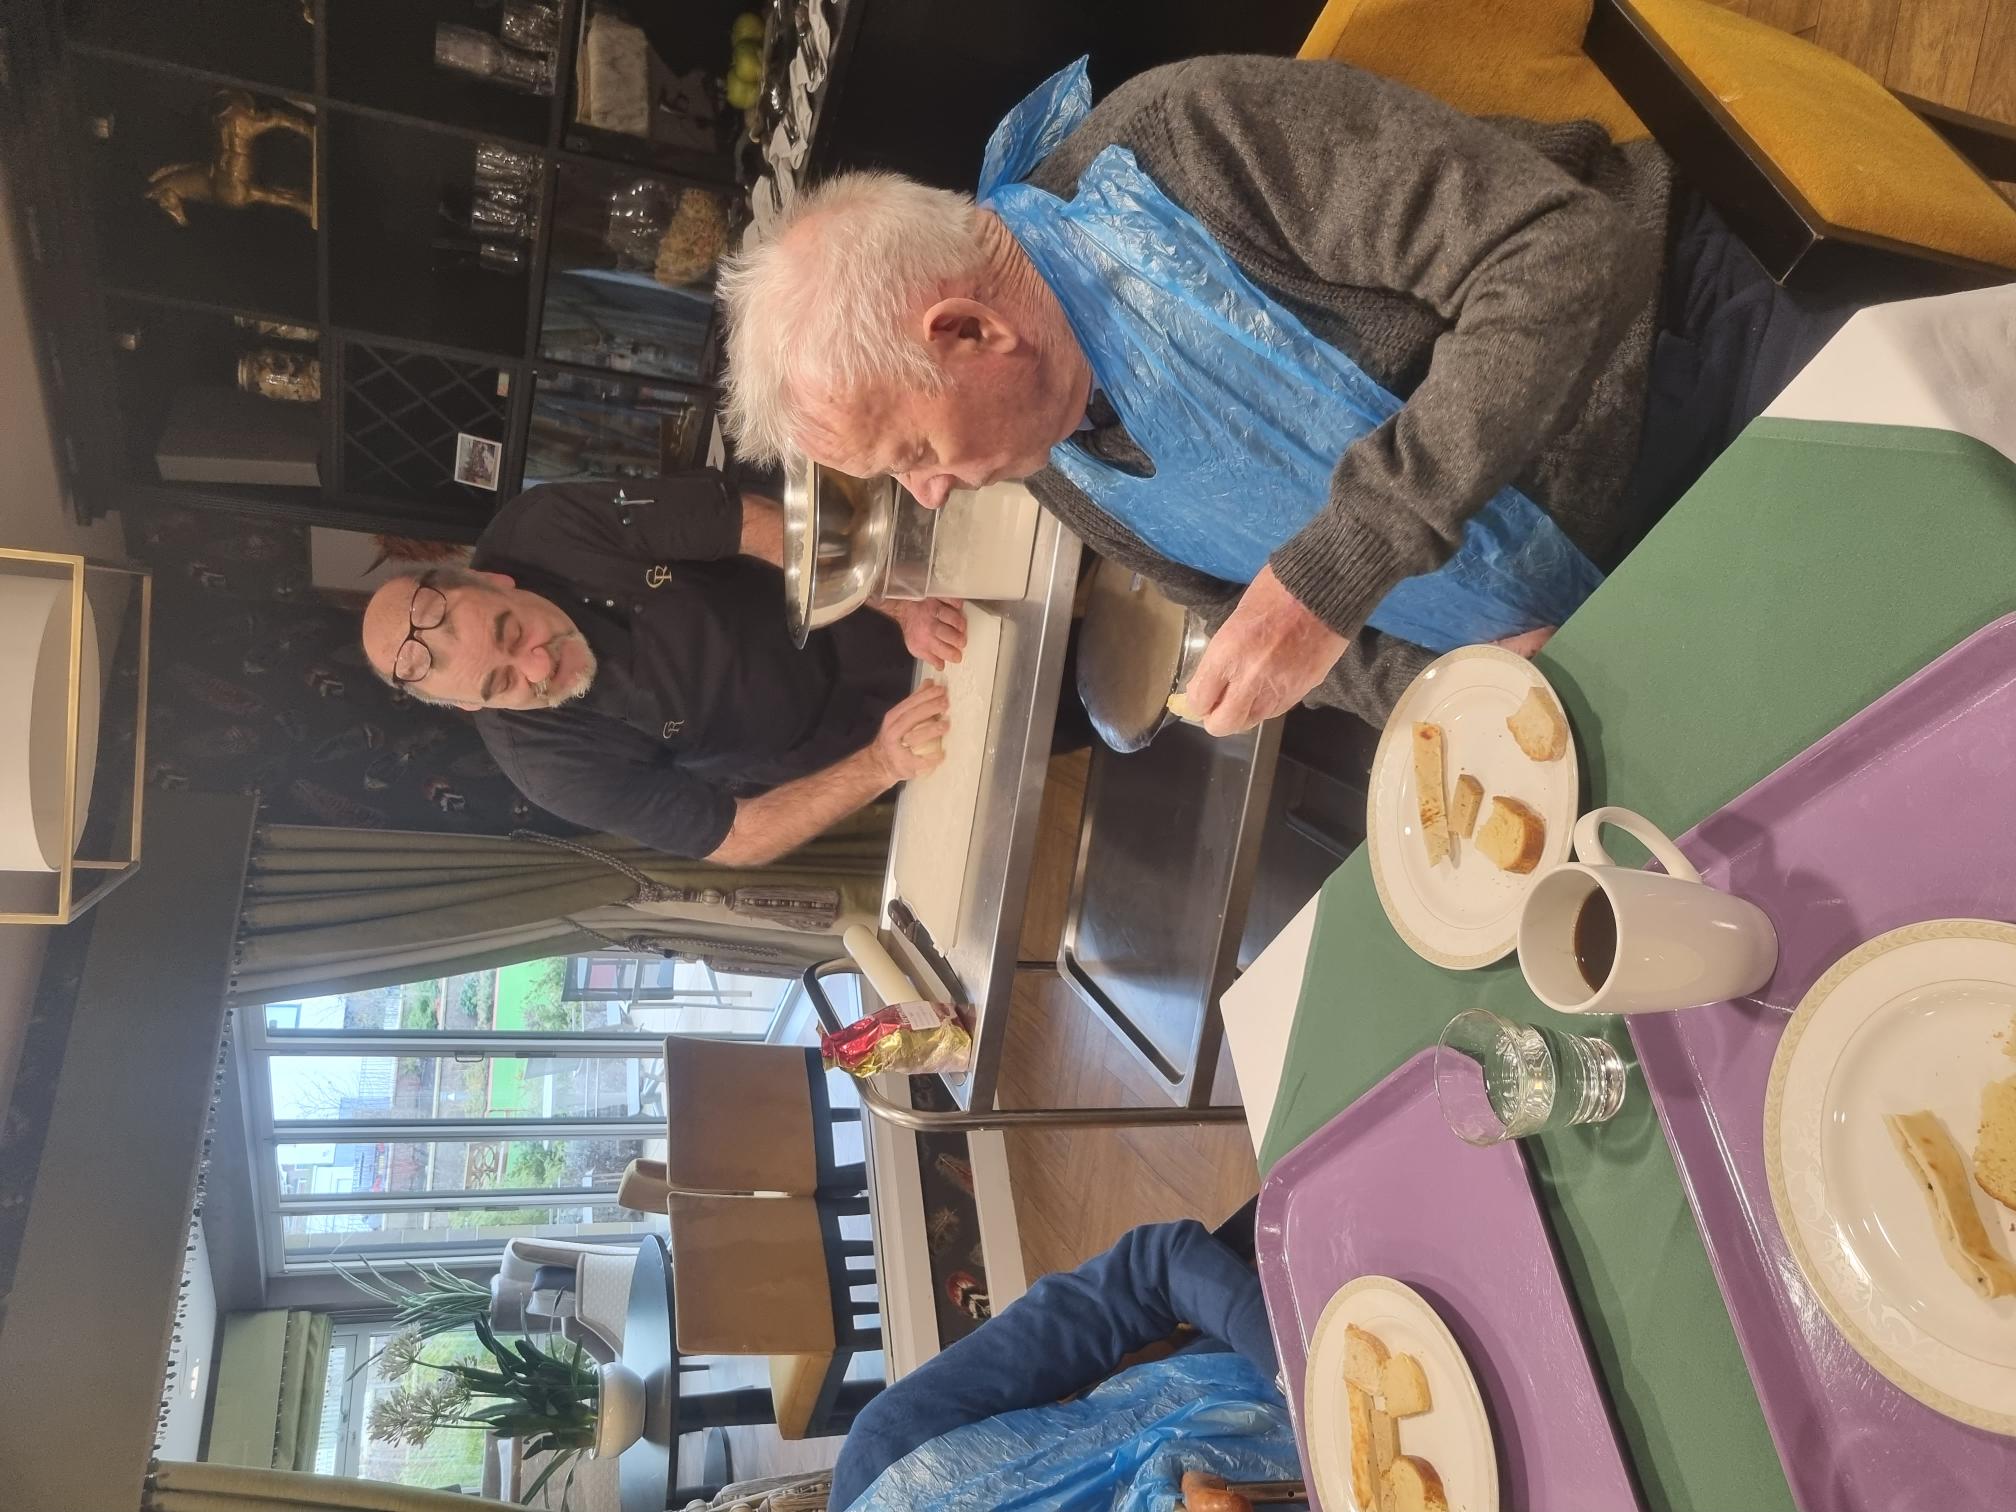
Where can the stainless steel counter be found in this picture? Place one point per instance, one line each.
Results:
(1028, 677)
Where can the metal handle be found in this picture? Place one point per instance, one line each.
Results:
(920, 1121)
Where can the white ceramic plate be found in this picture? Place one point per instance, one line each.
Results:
(1920, 1017)
(1464, 913)
(1454, 1437)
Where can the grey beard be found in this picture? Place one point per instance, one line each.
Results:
(581, 686)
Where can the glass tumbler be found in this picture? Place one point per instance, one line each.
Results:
(1500, 1080)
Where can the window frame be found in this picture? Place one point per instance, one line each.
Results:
(257, 1042)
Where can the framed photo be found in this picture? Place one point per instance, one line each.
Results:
(478, 463)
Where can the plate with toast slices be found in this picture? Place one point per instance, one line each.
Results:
(1474, 792)
(1394, 1419)
(1890, 1144)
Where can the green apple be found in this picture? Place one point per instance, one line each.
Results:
(742, 93)
(748, 27)
(748, 62)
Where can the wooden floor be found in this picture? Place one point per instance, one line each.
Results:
(1959, 53)
(1077, 1191)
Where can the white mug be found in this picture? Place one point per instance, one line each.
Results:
(1678, 942)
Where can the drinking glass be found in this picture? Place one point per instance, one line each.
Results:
(1500, 1080)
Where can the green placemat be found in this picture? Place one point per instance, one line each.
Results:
(1812, 569)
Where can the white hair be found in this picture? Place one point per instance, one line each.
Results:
(820, 308)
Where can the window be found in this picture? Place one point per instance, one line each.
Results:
(450, 1459)
(440, 1118)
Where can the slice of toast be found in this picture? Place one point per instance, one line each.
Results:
(1464, 803)
(1430, 768)
(1403, 1387)
(1375, 1444)
(1995, 1145)
(1513, 836)
(1365, 1357)
(1942, 1171)
(1413, 1486)
(1539, 727)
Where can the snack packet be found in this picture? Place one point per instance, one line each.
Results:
(917, 1039)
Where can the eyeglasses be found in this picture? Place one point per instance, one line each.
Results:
(413, 660)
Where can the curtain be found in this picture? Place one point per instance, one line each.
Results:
(269, 1380)
(174, 1486)
(177, 1487)
(329, 911)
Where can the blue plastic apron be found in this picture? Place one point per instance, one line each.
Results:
(1122, 1447)
(1242, 409)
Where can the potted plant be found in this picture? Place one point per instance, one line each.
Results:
(554, 1400)
(447, 1301)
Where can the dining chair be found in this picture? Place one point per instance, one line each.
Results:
(776, 1277)
(581, 1289)
(1812, 162)
(773, 1276)
(743, 1117)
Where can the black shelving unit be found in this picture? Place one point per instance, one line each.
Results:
(137, 312)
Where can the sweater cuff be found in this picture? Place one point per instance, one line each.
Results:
(1338, 569)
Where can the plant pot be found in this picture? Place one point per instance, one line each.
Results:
(619, 1415)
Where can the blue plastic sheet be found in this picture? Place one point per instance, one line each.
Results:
(1242, 409)
(1122, 1447)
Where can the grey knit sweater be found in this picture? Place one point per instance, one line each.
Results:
(1499, 276)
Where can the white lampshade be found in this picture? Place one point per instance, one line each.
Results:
(35, 683)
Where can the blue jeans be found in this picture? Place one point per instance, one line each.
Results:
(1067, 1334)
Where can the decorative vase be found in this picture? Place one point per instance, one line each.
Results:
(273, 374)
(619, 1413)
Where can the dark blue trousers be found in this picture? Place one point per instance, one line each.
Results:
(1065, 1335)
(1729, 341)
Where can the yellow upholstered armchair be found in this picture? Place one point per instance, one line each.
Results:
(1810, 161)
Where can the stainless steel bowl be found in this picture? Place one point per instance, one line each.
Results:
(837, 535)
(1135, 648)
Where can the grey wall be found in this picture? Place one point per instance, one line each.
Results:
(32, 515)
(89, 1318)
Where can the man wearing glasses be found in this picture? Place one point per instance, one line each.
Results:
(625, 654)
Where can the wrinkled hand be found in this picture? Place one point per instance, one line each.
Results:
(934, 629)
(1263, 661)
(912, 740)
(1527, 644)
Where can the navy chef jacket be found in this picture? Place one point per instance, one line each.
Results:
(699, 695)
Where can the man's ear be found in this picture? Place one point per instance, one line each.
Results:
(966, 327)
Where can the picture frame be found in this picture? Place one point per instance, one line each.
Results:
(478, 463)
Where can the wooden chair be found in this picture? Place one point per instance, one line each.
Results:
(755, 1195)
(775, 1277)
(750, 1118)
(1811, 162)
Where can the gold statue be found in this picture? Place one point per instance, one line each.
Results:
(227, 179)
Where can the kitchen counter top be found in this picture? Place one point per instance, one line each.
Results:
(981, 951)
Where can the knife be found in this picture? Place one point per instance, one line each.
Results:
(906, 923)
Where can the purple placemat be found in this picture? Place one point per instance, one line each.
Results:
(1907, 812)
(1384, 1189)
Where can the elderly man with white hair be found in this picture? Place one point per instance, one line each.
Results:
(1357, 376)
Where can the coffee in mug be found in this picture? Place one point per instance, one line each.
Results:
(1596, 937)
